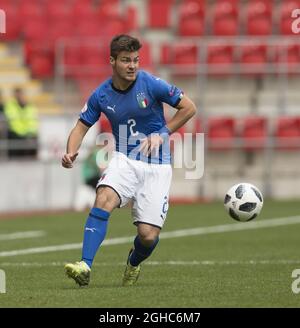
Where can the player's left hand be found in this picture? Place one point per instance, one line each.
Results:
(68, 159)
(151, 144)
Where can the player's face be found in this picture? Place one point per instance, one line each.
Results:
(126, 65)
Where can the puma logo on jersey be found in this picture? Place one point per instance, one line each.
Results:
(111, 108)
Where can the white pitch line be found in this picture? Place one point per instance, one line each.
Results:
(155, 263)
(165, 235)
(22, 235)
(233, 227)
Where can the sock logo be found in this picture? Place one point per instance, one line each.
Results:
(91, 229)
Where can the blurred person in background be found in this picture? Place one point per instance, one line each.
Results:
(2, 116)
(92, 169)
(22, 121)
(1, 103)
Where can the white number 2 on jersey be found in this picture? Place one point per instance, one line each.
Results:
(132, 123)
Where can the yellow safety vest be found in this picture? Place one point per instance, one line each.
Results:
(21, 121)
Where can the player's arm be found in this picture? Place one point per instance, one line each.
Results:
(74, 142)
(185, 110)
(173, 96)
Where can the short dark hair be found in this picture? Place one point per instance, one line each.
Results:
(123, 42)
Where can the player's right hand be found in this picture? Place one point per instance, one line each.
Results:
(68, 159)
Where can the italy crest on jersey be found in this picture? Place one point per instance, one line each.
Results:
(142, 100)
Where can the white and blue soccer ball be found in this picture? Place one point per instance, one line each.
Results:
(243, 202)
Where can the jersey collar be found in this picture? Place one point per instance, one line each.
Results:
(126, 90)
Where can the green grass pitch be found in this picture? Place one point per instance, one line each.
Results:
(247, 268)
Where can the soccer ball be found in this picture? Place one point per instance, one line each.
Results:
(243, 202)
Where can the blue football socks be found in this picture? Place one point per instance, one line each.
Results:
(141, 252)
(94, 233)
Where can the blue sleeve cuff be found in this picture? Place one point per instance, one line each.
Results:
(85, 122)
(164, 130)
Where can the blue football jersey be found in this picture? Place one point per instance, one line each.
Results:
(134, 113)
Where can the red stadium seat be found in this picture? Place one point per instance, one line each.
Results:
(35, 30)
(184, 56)
(93, 55)
(94, 61)
(58, 11)
(191, 18)
(159, 13)
(146, 60)
(39, 56)
(220, 60)
(225, 18)
(131, 18)
(259, 17)
(286, 21)
(113, 26)
(30, 10)
(5, 3)
(81, 2)
(179, 54)
(87, 61)
(61, 29)
(30, 48)
(193, 7)
(165, 54)
(259, 26)
(287, 133)
(287, 59)
(109, 8)
(254, 133)
(191, 26)
(89, 28)
(41, 65)
(221, 133)
(72, 60)
(253, 58)
(83, 11)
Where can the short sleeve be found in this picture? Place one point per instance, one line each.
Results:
(165, 92)
(91, 111)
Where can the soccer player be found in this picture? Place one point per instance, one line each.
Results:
(140, 168)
